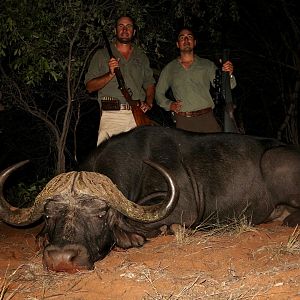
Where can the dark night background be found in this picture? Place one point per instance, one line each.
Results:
(265, 49)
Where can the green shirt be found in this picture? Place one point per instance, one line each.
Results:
(191, 85)
(136, 72)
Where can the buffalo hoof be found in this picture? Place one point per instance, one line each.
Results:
(163, 230)
(177, 229)
(293, 219)
(129, 239)
(173, 229)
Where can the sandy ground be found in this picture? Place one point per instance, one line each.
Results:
(234, 263)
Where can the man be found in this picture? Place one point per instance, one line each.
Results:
(138, 77)
(189, 78)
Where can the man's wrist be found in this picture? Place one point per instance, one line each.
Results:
(149, 102)
(110, 75)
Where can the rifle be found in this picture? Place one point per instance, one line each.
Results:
(139, 116)
(224, 97)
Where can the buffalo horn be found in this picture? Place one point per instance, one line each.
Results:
(13, 215)
(101, 187)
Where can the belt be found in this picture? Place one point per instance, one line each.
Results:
(110, 103)
(125, 106)
(195, 113)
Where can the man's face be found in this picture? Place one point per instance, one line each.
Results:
(186, 41)
(124, 30)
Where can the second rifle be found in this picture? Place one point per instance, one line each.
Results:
(224, 97)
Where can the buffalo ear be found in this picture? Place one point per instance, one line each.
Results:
(124, 234)
(125, 239)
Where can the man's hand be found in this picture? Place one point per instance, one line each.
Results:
(112, 64)
(176, 106)
(144, 106)
(228, 67)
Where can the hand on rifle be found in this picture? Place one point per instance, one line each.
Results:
(176, 106)
(228, 67)
(113, 64)
(144, 106)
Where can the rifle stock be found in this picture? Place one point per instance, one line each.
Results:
(139, 116)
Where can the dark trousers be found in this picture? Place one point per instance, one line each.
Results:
(203, 123)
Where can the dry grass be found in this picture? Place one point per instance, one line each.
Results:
(290, 247)
(7, 281)
(217, 275)
(234, 286)
(233, 227)
(31, 279)
(293, 244)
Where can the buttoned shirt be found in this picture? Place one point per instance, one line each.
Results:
(191, 86)
(136, 72)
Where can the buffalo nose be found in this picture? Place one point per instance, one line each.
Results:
(68, 255)
(70, 258)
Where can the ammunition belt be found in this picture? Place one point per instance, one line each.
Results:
(110, 103)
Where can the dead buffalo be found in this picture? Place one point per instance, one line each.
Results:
(169, 176)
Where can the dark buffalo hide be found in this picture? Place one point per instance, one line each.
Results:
(220, 177)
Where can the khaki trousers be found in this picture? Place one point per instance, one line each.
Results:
(113, 122)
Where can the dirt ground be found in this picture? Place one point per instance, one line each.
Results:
(241, 262)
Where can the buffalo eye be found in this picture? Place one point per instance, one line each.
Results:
(47, 217)
(101, 214)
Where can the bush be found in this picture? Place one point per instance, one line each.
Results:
(24, 194)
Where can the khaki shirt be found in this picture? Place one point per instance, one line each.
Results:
(136, 72)
(191, 85)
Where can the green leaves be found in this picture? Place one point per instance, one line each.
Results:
(39, 38)
(46, 45)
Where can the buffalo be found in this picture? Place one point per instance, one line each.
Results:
(137, 182)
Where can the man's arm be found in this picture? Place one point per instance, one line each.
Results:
(161, 89)
(148, 81)
(98, 83)
(150, 93)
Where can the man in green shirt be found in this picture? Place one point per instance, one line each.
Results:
(138, 77)
(189, 78)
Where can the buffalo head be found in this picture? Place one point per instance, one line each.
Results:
(85, 216)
